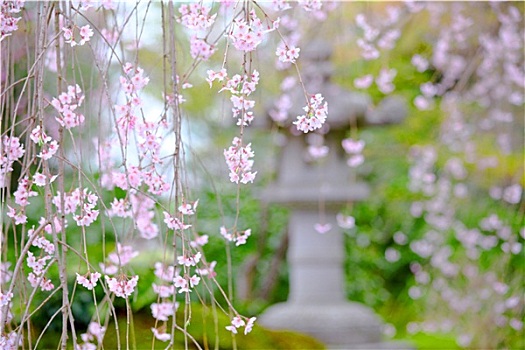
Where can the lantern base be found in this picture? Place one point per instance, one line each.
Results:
(347, 325)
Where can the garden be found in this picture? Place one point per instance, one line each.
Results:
(171, 173)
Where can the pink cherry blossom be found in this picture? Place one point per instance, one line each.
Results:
(162, 311)
(45, 244)
(40, 179)
(194, 280)
(12, 150)
(188, 259)
(316, 113)
(199, 48)
(196, 16)
(88, 282)
(249, 325)
(199, 241)
(318, 152)
(352, 146)
(120, 208)
(238, 159)
(38, 136)
(239, 237)
(94, 331)
(174, 223)
(161, 335)
(420, 63)
(355, 160)
(48, 150)
(345, 221)
(163, 291)
(37, 265)
(9, 23)
(288, 54)
(85, 34)
(188, 209)
(384, 80)
(123, 255)
(180, 282)
(232, 329)
(208, 271)
(247, 35)
(310, 5)
(219, 76)
(19, 217)
(122, 286)
(364, 82)
(322, 228)
(5, 299)
(237, 322)
(165, 273)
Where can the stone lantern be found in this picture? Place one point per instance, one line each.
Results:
(317, 304)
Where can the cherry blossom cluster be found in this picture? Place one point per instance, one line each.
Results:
(383, 36)
(322, 228)
(199, 48)
(384, 81)
(425, 101)
(121, 285)
(345, 221)
(49, 147)
(89, 280)
(9, 23)
(196, 16)
(184, 209)
(316, 9)
(146, 134)
(118, 259)
(94, 332)
(316, 148)
(106, 4)
(6, 273)
(238, 322)
(66, 104)
(177, 280)
(12, 150)
(165, 307)
(9, 340)
(5, 299)
(85, 33)
(310, 5)
(177, 98)
(287, 54)
(316, 113)
(55, 224)
(238, 159)
(172, 279)
(5, 303)
(240, 87)
(239, 237)
(83, 199)
(22, 195)
(283, 104)
(36, 278)
(141, 209)
(246, 35)
(354, 149)
(42, 243)
(132, 83)
(185, 283)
